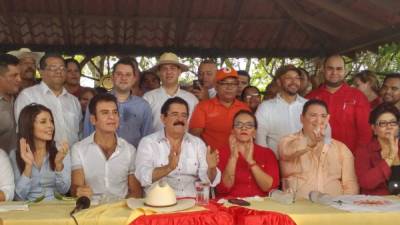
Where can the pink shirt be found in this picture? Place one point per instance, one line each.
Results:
(332, 171)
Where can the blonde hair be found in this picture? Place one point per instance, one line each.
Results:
(367, 76)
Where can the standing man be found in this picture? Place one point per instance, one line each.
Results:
(169, 68)
(212, 119)
(390, 90)
(206, 75)
(51, 93)
(244, 81)
(174, 155)
(73, 77)
(280, 116)
(28, 62)
(349, 108)
(9, 85)
(134, 112)
(103, 163)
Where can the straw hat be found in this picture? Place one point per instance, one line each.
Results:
(169, 58)
(26, 52)
(161, 198)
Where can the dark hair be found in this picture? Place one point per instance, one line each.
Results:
(366, 76)
(175, 100)
(103, 97)
(244, 73)
(391, 75)
(85, 90)
(74, 61)
(26, 122)
(7, 60)
(127, 61)
(305, 72)
(100, 90)
(243, 111)
(42, 62)
(330, 56)
(286, 68)
(381, 109)
(145, 73)
(208, 61)
(314, 102)
(243, 95)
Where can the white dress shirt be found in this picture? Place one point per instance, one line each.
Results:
(102, 175)
(65, 108)
(6, 176)
(277, 118)
(157, 97)
(153, 152)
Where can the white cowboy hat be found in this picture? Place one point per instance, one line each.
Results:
(26, 52)
(169, 58)
(161, 198)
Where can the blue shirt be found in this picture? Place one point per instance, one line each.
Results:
(135, 120)
(43, 181)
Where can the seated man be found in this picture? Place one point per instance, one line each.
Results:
(310, 162)
(6, 178)
(103, 164)
(174, 155)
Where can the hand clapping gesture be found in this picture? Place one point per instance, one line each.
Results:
(233, 145)
(26, 153)
(212, 158)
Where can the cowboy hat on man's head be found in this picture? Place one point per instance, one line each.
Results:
(27, 53)
(169, 58)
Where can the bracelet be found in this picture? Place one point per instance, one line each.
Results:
(253, 164)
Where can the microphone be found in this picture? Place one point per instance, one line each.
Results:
(82, 202)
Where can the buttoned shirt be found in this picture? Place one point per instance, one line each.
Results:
(8, 135)
(349, 112)
(6, 177)
(135, 120)
(153, 152)
(65, 108)
(104, 176)
(157, 97)
(277, 118)
(327, 169)
(43, 181)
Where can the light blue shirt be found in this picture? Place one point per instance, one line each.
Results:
(43, 181)
(135, 120)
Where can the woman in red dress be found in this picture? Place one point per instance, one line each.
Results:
(248, 169)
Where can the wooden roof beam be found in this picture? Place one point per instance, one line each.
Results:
(182, 22)
(346, 13)
(230, 35)
(292, 8)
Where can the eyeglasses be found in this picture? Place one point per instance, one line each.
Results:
(387, 123)
(56, 68)
(228, 84)
(176, 115)
(240, 125)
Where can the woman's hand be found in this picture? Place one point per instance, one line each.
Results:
(233, 145)
(61, 153)
(248, 152)
(26, 153)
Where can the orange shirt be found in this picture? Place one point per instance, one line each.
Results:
(216, 120)
(332, 171)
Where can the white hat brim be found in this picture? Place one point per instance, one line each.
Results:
(183, 67)
(21, 53)
(181, 204)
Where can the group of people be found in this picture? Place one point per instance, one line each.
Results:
(118, 144)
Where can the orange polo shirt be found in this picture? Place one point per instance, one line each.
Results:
(331, 172)
(216, 120)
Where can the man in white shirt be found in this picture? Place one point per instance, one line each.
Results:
(174, 155)
(52, 94)
(169, 69)
(7, 186)
(280, 116)
(103, 164)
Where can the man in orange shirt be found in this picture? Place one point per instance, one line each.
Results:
(212, 119)
(308, 162)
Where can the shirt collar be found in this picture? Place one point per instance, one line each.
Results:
(164, 92)
(45, 89)
(113, 92)
(216, 101)
(161, 136)
(280, 99)
(91, 140)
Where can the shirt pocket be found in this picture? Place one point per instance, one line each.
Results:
(349, 107)
(72, 121)
(190, 164)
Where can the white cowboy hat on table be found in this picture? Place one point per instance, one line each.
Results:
(161, 198)
(26, 52)
(169, 58)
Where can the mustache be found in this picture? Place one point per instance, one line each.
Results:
(177, 123)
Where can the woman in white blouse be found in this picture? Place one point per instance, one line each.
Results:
(6, 178)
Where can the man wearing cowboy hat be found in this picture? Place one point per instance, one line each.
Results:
(168, 68)
(28, 61)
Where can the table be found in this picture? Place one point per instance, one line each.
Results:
(302, 212)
